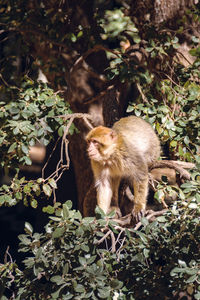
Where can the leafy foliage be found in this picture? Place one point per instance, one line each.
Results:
(28, 191)
(67, 261)
(115, 23)
(34, 116)
(177, 122)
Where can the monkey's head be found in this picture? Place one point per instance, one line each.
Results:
(101, 143)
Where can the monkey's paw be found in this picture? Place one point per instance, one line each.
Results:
(138, 215)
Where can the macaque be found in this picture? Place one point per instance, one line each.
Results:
(126, 150)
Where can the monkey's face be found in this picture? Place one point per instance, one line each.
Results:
(100, 141)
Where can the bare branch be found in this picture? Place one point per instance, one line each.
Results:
(178, 166)
(113, 242)
(6, 256)
(64, 145)
(103, 238)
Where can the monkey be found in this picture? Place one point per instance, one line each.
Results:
(126, 150)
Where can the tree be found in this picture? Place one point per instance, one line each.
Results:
(104, 60)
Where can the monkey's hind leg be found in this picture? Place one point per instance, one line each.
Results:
(140, 198)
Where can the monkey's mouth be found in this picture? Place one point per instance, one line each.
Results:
(92, 155)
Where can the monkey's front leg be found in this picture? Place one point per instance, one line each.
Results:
(114, 202)
(140, 197)
(104, 195)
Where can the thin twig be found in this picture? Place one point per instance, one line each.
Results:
(103, 238)
(113, 249)
(54, 148)
(120, 248)
(149, 217)
(144, 98)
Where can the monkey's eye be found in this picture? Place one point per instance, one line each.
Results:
(96, 143)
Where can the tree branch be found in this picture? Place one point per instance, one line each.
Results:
(176, 165)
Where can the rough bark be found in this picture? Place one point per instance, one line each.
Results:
(159, 12)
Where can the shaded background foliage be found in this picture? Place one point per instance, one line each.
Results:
(108, 59)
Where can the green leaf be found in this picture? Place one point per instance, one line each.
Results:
(161, 219)
(99, 212)
(58, 232)
(116, 284)
(40, 180)
(79, 288)
(14, 110)
(27, 189)
(47, 190)
(34, 203)
(186, 140)
(5, 199)
(28, 161)
(12, 147)
(24, 149)
(56, 279)
(85, 248)
(180, 150)
(61, 130)
(82, 261)
(146, 253)
(18, 195)
(142, 236)
(66, 269)
(48, 209)
(52, 183)
(24, 239)
(170, 124)
(144, 221)
(192, 278)
(50, 102)
(28, 228)
(72, 129)
(159, 195)
(173, 143)
(40, 132)
(65, 212)
(193, 205)
(69, 204)
(16, 130)
(36, 189)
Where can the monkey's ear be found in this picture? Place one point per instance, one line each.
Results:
(113, 135)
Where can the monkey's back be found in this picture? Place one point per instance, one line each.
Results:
(139, 136)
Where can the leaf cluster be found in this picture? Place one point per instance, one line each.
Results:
(28, 191)
(176, 121)
(67, 261)
(32, 117)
